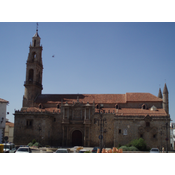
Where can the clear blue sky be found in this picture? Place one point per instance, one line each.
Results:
(92, 58)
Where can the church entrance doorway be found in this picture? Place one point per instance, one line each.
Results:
(77, 138)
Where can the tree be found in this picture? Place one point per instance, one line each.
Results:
(139, 144)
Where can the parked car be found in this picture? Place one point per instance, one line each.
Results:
(82, 150)
(23, 150)
(154, 150)
(95, 149)
(9, 148)
(61, 150)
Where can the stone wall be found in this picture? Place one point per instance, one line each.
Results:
(51, 129)
(108, 130)
(135, 127)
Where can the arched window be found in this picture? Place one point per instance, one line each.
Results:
(147, 124)
(34, 43)
(40, 106)
(31, 75)
(144, 106)
(33, 56)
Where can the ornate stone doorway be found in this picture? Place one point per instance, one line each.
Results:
(77, 138)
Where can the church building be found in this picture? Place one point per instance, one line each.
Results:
(84, 119)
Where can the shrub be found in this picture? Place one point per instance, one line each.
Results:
(127, 148)
(133, 148)
(37, 144)
(139, 144)
(87, 152)
(124, 148)
(30, 144)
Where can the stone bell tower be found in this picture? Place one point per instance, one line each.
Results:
(34, 70)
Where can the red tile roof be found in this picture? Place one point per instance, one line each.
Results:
(97, 98)
(141, 97)
(3, 101)
(10, 124)
(141, 112)
(34, 109)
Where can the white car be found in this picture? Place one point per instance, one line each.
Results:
(61, 150)
(154, 150)
(82, 150)
(9, 148)
(23, 150)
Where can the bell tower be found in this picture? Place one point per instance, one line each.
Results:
(34, 70)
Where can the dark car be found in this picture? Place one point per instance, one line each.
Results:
(95, 149)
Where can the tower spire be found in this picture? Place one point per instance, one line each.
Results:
(36, 34)
(165, 99)
(160, 93)
(37, 27)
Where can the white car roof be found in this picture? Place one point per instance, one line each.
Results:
(83, 150)
(8, 143)
(61, 149)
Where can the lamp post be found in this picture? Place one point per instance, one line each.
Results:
(167, 138)
(161, 140)
(101, 122)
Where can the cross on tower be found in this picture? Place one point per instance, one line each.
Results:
(37, 26)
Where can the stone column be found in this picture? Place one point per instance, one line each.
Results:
(85, 113)
(84, 139)
(63, 136)
(88, 136)
(68, 113)
(67, 138)
(63, 113)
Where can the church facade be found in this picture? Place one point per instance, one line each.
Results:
(84, 119)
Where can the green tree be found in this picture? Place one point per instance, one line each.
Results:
(139, 144)
(33, 141)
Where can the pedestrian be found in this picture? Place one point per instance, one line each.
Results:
(162, 149)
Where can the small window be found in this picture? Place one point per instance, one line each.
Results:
(143, 107)
(31, 73)
(154, 136)
(34, 43)
(54, 119)
(29, 123)
(125, 132)
(116, 106)
(119, 131)
(147, 124)
(58, 106)
(141, 135)
(40, 106)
